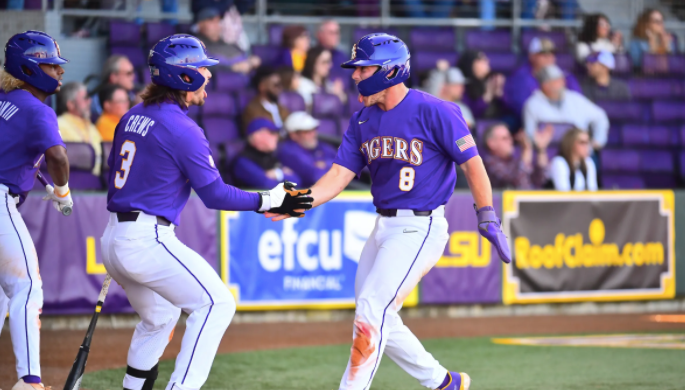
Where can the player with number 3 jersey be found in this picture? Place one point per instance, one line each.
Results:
(158, 155)
(409, 140)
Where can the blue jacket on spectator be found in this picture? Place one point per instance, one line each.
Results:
(521, 85)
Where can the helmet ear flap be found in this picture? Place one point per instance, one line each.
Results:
(393, 73)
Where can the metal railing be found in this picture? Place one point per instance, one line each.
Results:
(382, 13)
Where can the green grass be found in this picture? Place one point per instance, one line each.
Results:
(491, 366)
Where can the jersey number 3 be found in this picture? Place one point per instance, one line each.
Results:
(407, 175)
(128, 149)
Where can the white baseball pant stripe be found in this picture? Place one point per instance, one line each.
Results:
(161, 277)
(398, 253)
(20, 283)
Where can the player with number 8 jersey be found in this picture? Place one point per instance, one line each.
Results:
(158, 155)
(410, 141)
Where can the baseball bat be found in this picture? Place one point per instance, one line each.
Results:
(76, 373)
(66, 210)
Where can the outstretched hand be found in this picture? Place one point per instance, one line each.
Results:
(285, 201)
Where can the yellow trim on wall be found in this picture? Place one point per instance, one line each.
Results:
(510, 289)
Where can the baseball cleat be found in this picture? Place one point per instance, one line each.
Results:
(458, 381)
(21, 385)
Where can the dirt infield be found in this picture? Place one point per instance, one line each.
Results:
(109, 348)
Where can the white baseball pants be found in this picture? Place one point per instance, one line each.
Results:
(161, 277)
(398, 253)
(20, 284)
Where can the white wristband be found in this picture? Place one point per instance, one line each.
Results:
(266, 201)
(62, 190)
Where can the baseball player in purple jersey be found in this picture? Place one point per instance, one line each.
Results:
(158, 155)
(28, 130)
(410, 141)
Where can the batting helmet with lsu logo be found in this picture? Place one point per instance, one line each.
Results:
(387, 52)
(25, 52)
(174, 62)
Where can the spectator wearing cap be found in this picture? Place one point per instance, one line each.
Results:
(553, 103)
(257, 166)
(484, 88)
(117, 70)
(295, 44)
(115, 103)
(73, 105)
(267, 82)
(302, 151)
(507, 171)
(522, 83)
(230, 56)
(599, 85)
(448, 84)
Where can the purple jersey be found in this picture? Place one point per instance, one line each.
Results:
(410, 151)
(158, 154)
(27, 129)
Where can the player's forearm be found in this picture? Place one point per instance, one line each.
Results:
(331, 184)
(478, 180)
(58, 164)
(221, 196)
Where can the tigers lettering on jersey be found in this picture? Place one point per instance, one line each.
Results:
(395, 148)
(139, 124)
(7, 110)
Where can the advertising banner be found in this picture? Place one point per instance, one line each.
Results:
(70, 257)
(590, 246)
(298, 263)
(470, 270)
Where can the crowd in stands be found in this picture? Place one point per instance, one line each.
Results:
(595, 115)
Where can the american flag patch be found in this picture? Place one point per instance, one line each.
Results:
(465, 142)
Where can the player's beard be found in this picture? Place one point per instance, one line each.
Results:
(369, 101)
(200, 95)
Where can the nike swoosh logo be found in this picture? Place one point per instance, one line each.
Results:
(409, 231)
(362, 122)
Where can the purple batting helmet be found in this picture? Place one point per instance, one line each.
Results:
(25, 52)
(174, 62)
(387, 52)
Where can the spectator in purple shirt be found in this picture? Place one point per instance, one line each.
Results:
(508, 171)
(521, 84)
(302, 151)
(257, 166)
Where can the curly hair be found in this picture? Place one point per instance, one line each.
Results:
(8, 82)
(588, 34)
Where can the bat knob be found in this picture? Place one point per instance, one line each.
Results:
(66, 211)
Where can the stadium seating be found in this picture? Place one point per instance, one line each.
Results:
(230, 81)
(644, 148)
(124, 33)
(293, 101)
(157, 31)
(489, 40)
(432, 38)
(81, 162)
(422, 61)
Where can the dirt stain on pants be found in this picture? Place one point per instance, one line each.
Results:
(362, 346)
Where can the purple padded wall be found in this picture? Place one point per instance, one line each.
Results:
(484, 40)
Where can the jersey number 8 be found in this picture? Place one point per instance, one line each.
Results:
(128, 149)
(407, 175)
